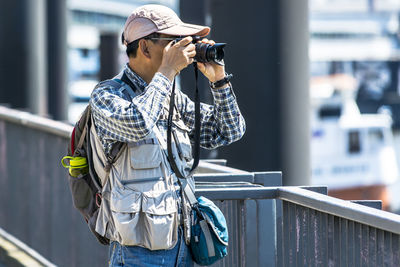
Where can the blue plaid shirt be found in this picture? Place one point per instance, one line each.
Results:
(118, 119)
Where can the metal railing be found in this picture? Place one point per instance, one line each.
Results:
(15, 253)
(324, 231)
(269, 225)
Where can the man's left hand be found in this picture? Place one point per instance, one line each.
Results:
(212, 71)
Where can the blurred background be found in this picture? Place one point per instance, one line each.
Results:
(318, 81)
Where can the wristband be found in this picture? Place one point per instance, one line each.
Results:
(221, 82)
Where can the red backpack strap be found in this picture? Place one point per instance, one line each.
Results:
(73, 141)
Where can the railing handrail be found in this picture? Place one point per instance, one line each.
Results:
(345, 209)
(34, 121)
(207, 167)
(369, 216)
(22, 252)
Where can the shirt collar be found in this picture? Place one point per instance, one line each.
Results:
(135, 78)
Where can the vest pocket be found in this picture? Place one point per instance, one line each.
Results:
(145, 161)
(183, 144)
(125, 208)
(181, 147)
(160, 217)
(146, 156)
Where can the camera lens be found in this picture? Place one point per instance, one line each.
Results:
(215, 52)
(209, 53)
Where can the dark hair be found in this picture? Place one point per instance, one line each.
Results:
(131, 48)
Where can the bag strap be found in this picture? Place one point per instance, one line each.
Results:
(93, 174)
(197, 121)
(207, 235)
(129, 88)
(197, 126)
(81, 140)
(130, 84)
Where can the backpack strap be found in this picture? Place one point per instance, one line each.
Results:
(114, 154)
(93, 174)
(130, 84)
(129, 90)
(88, 115)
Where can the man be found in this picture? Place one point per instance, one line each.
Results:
(141, 211)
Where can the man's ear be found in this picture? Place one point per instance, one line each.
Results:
(144, 49)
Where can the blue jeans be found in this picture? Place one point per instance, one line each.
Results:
(134, 256)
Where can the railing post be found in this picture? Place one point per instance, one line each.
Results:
(269, 216)
(251, 235)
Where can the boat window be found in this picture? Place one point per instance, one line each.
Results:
(354, 142)
(85, 52)
(330, 112)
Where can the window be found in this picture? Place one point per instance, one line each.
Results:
(354, 142)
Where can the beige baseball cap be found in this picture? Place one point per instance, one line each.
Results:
(148, 19)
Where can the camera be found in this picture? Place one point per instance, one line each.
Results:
(207, 53)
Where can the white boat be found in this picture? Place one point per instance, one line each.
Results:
(349, 150)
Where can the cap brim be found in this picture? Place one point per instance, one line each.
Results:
(186, 29)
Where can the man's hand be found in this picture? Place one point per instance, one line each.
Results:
(176, 57)
(212, 71)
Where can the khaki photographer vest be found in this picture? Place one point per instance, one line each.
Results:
(139, 199)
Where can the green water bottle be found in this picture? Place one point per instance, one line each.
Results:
(77, 166)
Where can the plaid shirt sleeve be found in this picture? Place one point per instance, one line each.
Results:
(221, 123)
(121, 120)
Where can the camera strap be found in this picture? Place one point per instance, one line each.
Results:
(197, 126)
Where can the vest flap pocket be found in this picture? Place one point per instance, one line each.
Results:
(125, 207)
(159, 203)
(147, 156)
(183, 143)
(160, 220)
(127, 201)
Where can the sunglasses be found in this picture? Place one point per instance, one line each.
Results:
(176, 39)
(165, 38)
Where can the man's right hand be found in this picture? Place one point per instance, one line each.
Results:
(176, 57)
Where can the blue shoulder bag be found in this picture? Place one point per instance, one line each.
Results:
(209, 233)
